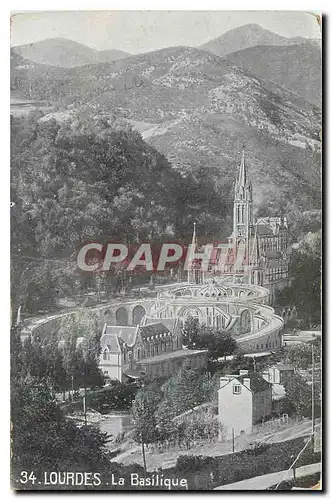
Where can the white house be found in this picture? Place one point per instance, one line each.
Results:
(243, 400)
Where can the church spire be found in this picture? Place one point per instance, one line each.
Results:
(195, 275)
(242, 212)
(242, 180)
(243, 188)
(194, 239)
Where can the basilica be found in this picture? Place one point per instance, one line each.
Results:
(143, 338)
(262, 243)
(141, 332)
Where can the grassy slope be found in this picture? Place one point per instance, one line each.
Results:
(288, 66)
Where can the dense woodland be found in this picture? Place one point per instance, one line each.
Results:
(92, 179)
(305, 290)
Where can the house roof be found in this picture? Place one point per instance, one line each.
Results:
(127, 333)
(284, 367)
(257, 383)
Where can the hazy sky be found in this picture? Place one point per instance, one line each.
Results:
(139, 31)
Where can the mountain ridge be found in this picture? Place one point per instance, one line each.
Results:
(65, 53)
(289, 66)
(197, 109)
(245, 36)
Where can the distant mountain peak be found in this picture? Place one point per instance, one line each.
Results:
(243, 37)
(66, 53)
(249, 26)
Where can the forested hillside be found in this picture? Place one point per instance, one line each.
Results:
(89, 179)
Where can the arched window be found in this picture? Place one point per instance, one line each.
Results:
(104, 354)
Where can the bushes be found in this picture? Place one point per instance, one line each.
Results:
(116, 396)
(256, 448)
(209, 472)
(192, 463)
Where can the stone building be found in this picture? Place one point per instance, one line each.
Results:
(243, 400)
(152, 349)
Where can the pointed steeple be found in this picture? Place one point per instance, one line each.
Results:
(242, 212)
(195, 275)
(242, 180)
(243, 187)
(194, 239)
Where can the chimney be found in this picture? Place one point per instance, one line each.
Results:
(223, 381)
(246, 382)
(244, 372)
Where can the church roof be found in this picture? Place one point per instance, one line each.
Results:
(273, 254)
(152, 329)
(127, 333)
(264, 229)
(181, 353)
(169, 323)
(111, 341)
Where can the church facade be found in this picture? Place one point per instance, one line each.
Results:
(262, 243)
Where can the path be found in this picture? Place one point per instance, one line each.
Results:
(121, 456)
(267, 480)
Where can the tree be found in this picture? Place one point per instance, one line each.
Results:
(182, 392)
(217, 342)
(190, 332)
(298, 394)
(115, 396)
(305, 273)
(144, 407)
(300, 356)
(43, 440)
(81, 334)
